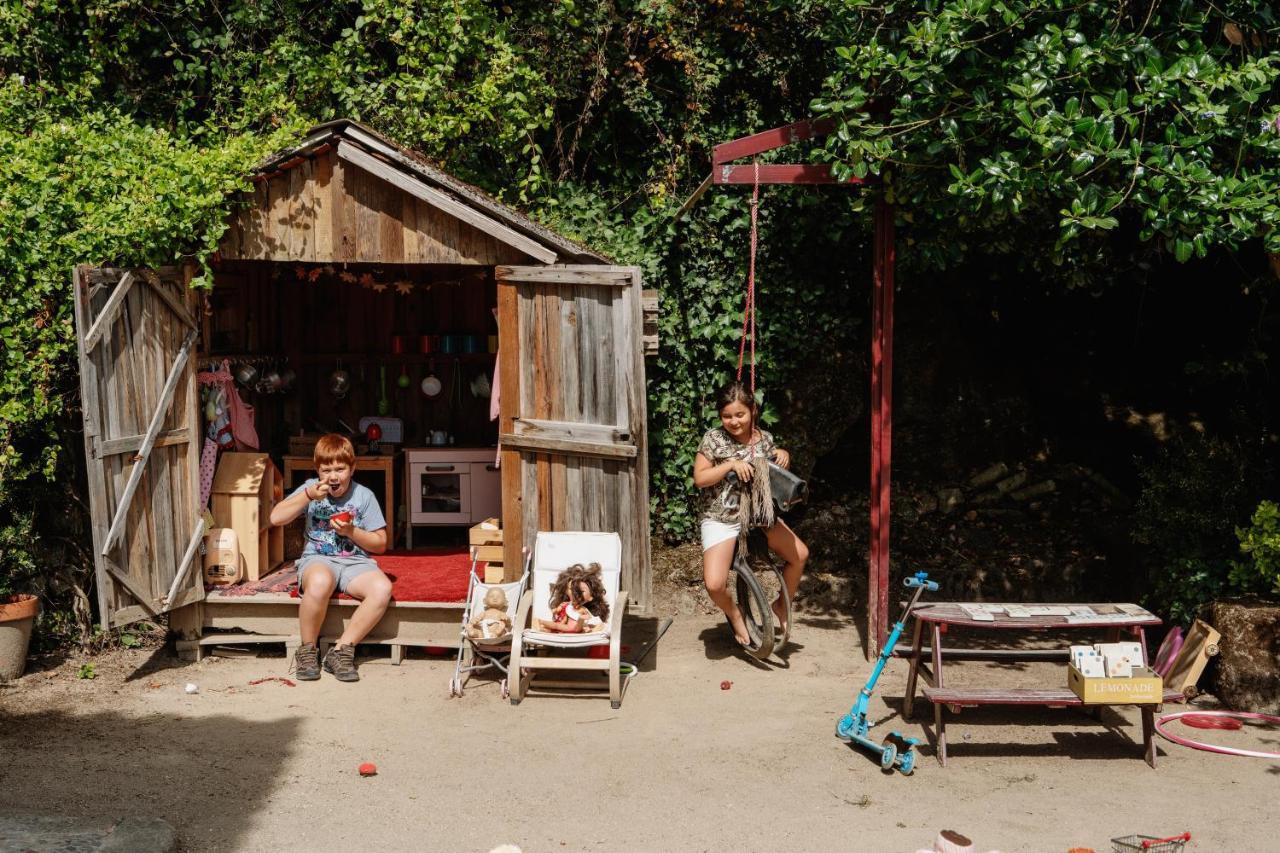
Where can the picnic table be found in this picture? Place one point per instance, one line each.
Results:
(936, 617)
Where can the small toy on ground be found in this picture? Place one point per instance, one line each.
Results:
(368, 769)
(1150, 844)
(897, 752)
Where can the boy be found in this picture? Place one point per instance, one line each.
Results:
(344, 526)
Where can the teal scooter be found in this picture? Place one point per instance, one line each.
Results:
(897, 752)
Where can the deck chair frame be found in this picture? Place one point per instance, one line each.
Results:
(523, 665)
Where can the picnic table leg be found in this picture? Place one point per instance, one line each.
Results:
(1149, 733)
(908, 704)
(940, 726)
(939, 718)
(1141, 634)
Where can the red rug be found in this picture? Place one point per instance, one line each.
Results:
(425, 574)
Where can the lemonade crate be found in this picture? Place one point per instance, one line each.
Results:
(1144, 687)
(486, 547)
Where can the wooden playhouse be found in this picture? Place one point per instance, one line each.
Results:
(357, 257)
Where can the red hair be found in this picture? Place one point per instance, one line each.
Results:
(333, 448)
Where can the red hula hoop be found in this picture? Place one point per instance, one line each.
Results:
(1209, 747)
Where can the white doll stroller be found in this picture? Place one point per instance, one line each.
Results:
(476, 654)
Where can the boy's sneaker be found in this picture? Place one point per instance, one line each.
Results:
(340, 662)
(306, 663)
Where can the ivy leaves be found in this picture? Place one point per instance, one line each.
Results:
(1004, 117)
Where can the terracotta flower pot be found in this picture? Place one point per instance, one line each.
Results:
(17, 613)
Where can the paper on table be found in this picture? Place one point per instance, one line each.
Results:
(1082, 610)
(1098, 619)
(1133, 610)
(977, 613)
(1017, 611)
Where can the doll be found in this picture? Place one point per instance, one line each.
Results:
(492, 623)
(578, 603)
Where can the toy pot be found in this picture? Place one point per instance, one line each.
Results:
(339, 383)
(449, 343)
(427, 344)
(397, 344)
(247, 375)
(471, 343)
(17, 615)
(439, 437)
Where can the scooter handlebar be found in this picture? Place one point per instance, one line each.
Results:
(920, 579)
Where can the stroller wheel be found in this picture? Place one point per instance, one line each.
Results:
(455, 687)
(506, 694)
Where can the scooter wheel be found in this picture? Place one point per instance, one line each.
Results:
(888, 755)
(841, 736)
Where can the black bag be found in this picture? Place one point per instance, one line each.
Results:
(787, 489)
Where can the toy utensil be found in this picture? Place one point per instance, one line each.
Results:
(897, 752)
(384, 405)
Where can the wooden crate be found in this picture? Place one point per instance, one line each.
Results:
(486, 547)
(245, 487)
(481, 535)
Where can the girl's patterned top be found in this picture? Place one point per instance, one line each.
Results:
(721, 501)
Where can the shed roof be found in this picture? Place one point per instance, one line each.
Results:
(420, 167)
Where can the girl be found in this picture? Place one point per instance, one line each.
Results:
(730, 506)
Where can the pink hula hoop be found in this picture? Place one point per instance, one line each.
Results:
(1209, 747)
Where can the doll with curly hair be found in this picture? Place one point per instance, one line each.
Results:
(578, 603)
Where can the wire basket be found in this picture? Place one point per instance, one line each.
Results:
(1150, 844)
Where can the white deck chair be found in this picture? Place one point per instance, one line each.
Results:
(552, 554)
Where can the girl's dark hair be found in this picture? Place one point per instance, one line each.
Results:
(734, 392)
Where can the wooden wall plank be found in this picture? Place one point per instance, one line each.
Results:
(508, 407)
(90, 402)
(277, 233)
(344, 222)
(157, 501)
(322, 203)
(303, 220)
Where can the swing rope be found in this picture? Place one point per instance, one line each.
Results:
(749, 308)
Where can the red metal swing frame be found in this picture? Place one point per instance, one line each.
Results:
(724, 171)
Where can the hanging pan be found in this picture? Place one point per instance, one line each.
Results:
(430, 384)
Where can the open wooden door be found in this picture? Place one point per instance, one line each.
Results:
(572, 404)
(136, 333)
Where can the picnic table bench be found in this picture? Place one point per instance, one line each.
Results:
(936, 617)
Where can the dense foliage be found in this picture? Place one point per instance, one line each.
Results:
(1096, 134)
(1076, 139)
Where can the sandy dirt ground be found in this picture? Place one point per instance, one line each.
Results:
(684, 765)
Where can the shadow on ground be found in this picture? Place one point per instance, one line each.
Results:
(206, 776)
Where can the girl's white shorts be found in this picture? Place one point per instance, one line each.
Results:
(714, 532)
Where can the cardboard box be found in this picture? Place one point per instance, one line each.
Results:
(494, 574)
(1144, 687)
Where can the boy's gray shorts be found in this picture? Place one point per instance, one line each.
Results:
(344, 569)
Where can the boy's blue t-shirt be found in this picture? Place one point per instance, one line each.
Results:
(322, 539)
